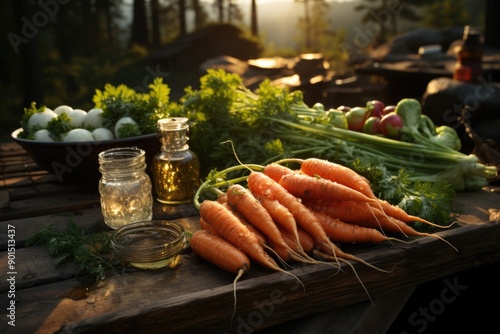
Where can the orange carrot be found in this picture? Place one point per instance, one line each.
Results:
(282, 216)
(395, 225)
(227, 225)
(219, 252)
(245, 203)
(348, 177)
(309, 187)
(339, 231)
(398, 213)
(256, 232)
(347, 211)
(205, 226)
(222, 198)
(222, 254)
(262, 185)
(306, 242)
(358, 213)
(337, 173)
(388, 224)
(355, 213)
(276, 171)
(265, 187)
(296, 246)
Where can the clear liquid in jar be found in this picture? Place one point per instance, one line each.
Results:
(126, 203)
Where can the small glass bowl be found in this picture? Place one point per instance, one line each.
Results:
(151, 244)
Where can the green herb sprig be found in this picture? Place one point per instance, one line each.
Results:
(91, 252)
(144, 108)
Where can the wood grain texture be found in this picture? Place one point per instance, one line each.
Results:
(198, 297)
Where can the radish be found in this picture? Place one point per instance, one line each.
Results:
(375, 108)
(356, 118)
(390, 125)
(372, 125)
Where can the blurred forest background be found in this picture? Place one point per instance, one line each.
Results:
(59, 51)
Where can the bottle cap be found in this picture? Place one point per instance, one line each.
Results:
(172, 132)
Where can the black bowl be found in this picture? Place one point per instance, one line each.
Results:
(77, 162)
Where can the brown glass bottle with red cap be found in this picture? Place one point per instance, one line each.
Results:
(470, 56)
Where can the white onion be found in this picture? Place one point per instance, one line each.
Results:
(77, 116)
(42, 135)
(41, 119)
(62, 109)
(78, 135)
(123, 121)
(102, 134)
(94, 119)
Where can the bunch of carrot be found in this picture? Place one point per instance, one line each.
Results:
(295, 215)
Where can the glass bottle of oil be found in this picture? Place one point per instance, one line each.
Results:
(468, 67)
(175, 169)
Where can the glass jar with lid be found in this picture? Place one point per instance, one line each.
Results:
(175, 169)
(124, 187)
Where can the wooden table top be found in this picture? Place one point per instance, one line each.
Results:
(196, 296)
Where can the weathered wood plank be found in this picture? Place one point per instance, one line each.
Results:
(26, 227)
(50, 299)
(35, 267)
(11, 148)
(287, 299)
(40, 206)
(165, 299)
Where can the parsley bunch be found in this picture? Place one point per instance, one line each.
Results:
(144, 108)
(224, 109)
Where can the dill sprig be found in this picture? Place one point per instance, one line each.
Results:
(91, 252)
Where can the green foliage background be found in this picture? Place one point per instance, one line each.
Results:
(81, 49)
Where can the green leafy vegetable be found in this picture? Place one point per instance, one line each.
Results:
(426, 126)
(59, 125)
(28, 112)
(447, 136)
(34, 119)
(273, 123)
(419, 128)
(144, 108)
(410, 111)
